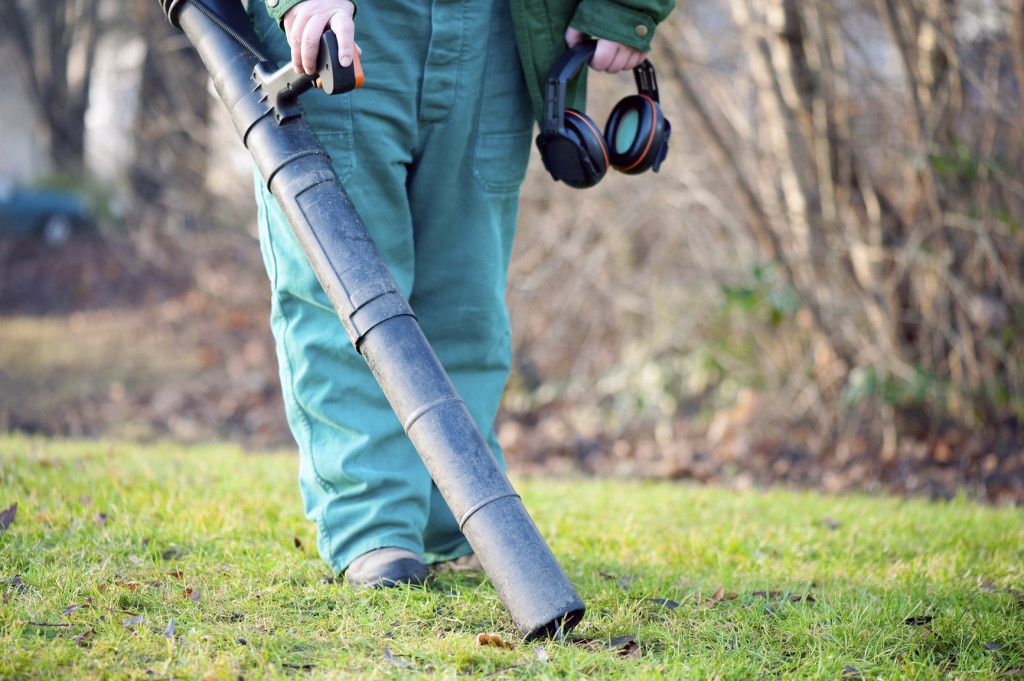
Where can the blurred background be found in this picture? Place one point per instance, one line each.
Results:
(822, 288)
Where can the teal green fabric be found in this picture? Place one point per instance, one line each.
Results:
(278, 10)
(630, 22)
(432, 150)
(540, 34)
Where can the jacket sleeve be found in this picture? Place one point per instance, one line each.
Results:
(629, 22)
(277, 9)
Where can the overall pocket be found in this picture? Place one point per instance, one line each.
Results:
(505, 121)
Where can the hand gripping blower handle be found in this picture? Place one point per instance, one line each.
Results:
(283, 86)
(380, 323)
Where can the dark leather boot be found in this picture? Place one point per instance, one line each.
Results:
(386, 567)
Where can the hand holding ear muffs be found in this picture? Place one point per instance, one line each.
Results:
(572, 147)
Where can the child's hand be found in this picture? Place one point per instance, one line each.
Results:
(609, 56)
(306, 22)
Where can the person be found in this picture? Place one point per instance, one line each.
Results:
(432, 151)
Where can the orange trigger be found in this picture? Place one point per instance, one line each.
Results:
(359, 69)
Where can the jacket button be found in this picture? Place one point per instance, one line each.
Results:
(641, 30)
(271, 3)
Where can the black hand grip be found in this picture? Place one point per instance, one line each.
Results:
(283, 86)
(332, 77)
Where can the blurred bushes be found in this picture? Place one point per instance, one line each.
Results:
(837, 228)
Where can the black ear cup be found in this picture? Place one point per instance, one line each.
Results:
(636, 135)
(589, 139)
(576, 153)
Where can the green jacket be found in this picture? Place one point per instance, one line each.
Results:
(540, 34)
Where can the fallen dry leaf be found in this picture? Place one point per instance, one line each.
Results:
(670, 604)
(169, 629)
(16, 582)
(100, 519)
(625, 646)
(493, 640)
(132, 621)
(71, 608)
(131, 586)
(766, 594)
(80, 639)
(623, 580)
(587, 643)
(298, 543)
(716, 598)
(7, 516)
(390, 659)
(191, 594)
(631, 650)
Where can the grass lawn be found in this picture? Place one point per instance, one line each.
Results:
(150, 562)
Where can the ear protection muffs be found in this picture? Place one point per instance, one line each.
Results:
(572, 147)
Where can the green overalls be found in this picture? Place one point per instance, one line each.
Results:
(432, 150)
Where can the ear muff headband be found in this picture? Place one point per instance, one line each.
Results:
(562, 71)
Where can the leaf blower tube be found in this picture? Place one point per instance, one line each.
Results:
(381, 325)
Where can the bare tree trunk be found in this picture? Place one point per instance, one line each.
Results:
(55, 41)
